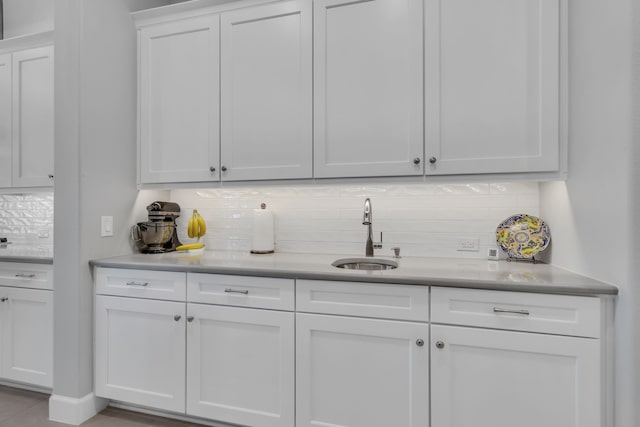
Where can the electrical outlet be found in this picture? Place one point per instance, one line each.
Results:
(470, 245)
(106, 226)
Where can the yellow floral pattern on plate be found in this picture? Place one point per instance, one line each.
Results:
(522, 236)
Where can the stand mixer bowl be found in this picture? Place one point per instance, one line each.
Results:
(153, 234)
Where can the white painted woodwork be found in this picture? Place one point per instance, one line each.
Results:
(27, 336)
(179, 91)
(165, 285)
(240, 365)
(368, 88)
(402, 302)
(551, 314)
(140, 351)
(26, 275)
(492, 378)
(32, 119)
(242, 291)
(5, 120)
(492, 86)
(356, 372)
(266, 104)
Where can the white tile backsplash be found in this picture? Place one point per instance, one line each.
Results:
(422, 219)
(27, 218)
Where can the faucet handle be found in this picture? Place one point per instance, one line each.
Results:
(378, 245)
(396, 252)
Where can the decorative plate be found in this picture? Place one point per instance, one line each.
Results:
(522, 236)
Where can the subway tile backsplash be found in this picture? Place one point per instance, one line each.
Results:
(422, 219)
(27, 218)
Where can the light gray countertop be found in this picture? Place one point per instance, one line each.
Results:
(27, 253)
(467, 273)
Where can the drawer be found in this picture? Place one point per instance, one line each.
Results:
(241, 291)
(26, 275)
(518, 311)
(163, 285)
(381, 300)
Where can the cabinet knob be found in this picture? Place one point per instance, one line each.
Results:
(4, 299)
(50, 176)
(212, 169)
(223, 168)
(416, 161)
(189, 319)
(177, 317)
(439, 344)
(432, 160)
(419, 342)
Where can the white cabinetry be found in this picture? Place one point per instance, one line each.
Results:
(266, 92)
(5, 120)
(361, 372)
(179, 89)
(523, 371)
(26, 332)
(368, 88)
(492, 95)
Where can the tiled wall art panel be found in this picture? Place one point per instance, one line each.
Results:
(26, 218)
(423, 219)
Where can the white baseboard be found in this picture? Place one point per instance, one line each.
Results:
(75, 411)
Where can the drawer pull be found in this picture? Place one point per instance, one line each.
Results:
(234, 291)
(137, 284)
(25, 276)
(502, 310)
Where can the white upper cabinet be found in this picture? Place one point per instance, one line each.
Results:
(179, 101)
(5, 120)
(266, 117)
(492, 86)
(368, 88)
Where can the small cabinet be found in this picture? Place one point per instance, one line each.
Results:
(492, 86)
(368, 88)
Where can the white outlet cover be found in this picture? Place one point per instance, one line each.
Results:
(106, 226)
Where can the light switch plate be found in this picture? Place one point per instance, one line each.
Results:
(106, 226)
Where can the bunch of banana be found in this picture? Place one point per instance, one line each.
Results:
(197, 227)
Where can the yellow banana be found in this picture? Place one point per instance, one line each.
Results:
(190, 228)
(202, 226)
(190, 246)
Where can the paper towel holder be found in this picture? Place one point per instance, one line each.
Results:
(269, 250)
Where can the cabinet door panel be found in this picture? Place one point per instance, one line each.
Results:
(140, 355)
(179, 101)
(492, 85)
(33, 117)
(27, 348)
(355, 372)
(492, 378)
(368, 88)
(5, 120)
(241, 365)
(266, 92)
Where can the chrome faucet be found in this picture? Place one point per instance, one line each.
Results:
(367, 219)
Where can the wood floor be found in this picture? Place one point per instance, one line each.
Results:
(22, 408)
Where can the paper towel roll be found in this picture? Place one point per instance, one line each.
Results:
(262, 231)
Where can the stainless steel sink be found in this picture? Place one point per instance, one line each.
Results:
(365, 264)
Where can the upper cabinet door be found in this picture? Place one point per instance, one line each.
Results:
(5, 120)
(266, 57)
(368, 88)
(33, 117)
(179, 101)
(492, 86)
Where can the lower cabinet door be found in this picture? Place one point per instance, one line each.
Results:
(140, 351)
(27, 345)
(357, 372)
(240, 366)
(493, 378)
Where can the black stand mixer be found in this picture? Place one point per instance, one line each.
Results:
(159, 234)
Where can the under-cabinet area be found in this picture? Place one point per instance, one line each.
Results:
(286, 351)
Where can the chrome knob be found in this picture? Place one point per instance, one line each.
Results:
(439, 344)
(50, 176)
(223, 168)
(432, 160)
(177, 317)
(419, 342)
(212, 169)
(4, 299)
(189, 319)
(416, 161)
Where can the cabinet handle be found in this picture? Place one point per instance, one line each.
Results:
(177, 317)
(50, 176)
(416, 161)
(419, 342)
(137, 284)
(4, 299)
(234, 291)
(25, 276)
(212, 169)
(223, 168)
(432, 160)
(502, 310)
(189, 319)
(440, 344)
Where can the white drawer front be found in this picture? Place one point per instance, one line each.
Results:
(381, 300)
(241, 291)
(26, 275)
(164, 285)
(552, 314)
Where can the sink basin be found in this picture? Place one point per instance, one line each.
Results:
(365, 264)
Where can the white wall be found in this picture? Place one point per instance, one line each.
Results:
(22, 17)
(592, 215)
